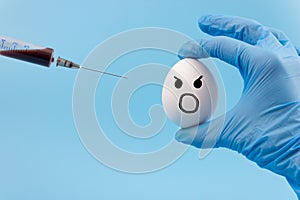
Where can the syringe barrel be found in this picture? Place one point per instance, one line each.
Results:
(27, 52)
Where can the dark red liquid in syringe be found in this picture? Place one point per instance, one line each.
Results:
(42, 57)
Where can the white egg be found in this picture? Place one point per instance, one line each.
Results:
(190, 93)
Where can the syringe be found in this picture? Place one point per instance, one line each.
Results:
(38, 55)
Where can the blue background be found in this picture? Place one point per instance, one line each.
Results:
(41, 156)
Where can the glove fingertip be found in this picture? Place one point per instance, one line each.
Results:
(183, 136)
(298, 50)
(204, 17)
(207, 21)
(204, 22)
(192, 49)
(190, 136)
(209, 17)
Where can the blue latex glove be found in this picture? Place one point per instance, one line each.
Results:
(265, 124)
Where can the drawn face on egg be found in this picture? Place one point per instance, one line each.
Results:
(189, 94)
(193, 101)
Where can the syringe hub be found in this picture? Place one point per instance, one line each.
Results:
(66, 63)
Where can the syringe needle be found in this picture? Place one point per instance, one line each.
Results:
(102, 72)
(69, 64)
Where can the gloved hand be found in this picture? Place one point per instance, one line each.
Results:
(265, 124)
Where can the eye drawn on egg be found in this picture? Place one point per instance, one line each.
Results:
(178, 82)
(198, 82)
